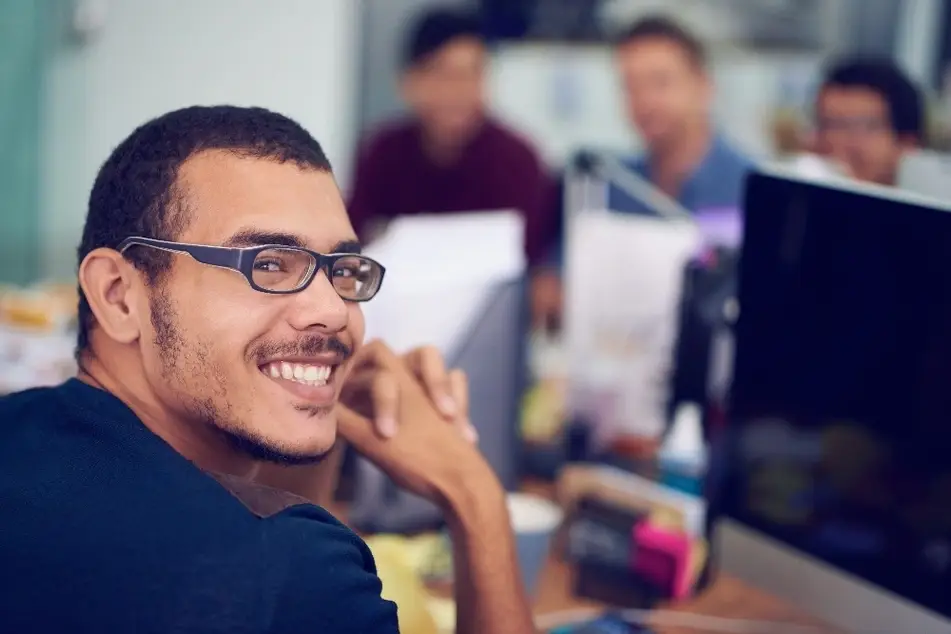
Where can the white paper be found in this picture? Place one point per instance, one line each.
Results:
(624, 282)
(440, 273)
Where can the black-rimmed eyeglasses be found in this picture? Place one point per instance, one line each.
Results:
(279, 269)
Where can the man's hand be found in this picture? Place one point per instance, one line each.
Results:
(427, 456)
(373, 391)
(434, 460)
(547, 300)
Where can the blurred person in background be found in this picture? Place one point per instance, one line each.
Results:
(868, 114)
(449, 155)
(220, 330)
(668, 93)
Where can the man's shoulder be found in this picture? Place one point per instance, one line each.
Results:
(33, 412)
(323, 558)
(30, 399)
(728, 156)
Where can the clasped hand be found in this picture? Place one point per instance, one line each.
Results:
(409, 416)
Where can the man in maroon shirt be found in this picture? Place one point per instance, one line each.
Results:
(449, 155)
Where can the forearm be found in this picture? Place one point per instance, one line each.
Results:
(490, 597)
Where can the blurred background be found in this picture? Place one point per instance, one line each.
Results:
(76, 76)
(559, 81)
(79, 75)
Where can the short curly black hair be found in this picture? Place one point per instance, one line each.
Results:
(884, 77)
(135, 192)
(436, 28)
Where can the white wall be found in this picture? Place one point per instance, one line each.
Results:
(298, 57)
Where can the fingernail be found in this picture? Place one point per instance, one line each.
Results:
(447, 405)
(386, 426)
(471, 434)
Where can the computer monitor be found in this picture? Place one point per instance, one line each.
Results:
(831, 485)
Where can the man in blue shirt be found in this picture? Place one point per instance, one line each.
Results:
(668, 93)
(220, 331)
(669, 96)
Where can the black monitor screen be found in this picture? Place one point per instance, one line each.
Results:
(839, 439)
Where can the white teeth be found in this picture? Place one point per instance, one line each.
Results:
(298, 372)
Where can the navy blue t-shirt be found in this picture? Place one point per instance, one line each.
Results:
(105, 528)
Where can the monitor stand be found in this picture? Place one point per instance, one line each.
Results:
(831, 595)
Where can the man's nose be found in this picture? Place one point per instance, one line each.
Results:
(319, 307)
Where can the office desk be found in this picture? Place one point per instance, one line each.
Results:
(727, 598)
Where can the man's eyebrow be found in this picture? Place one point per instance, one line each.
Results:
(347, 246)
(255, 237)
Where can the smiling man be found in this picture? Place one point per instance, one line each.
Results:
(219, 329)
(869, 115)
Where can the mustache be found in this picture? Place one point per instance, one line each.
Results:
(306, 347)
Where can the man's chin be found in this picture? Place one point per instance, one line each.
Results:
(266, 450)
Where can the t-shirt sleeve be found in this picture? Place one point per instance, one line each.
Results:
(328, 581)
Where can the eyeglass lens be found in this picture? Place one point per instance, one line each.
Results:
(353, 277)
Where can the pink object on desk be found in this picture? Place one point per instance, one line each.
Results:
(662, 557)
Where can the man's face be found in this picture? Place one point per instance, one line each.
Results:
(853, 129)
(664, 90)
(446, 90)
(218, 351)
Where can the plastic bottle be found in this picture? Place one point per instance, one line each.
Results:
(682, 459)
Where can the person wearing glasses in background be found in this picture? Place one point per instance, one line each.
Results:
(449, 154)
(668, 93)
(869, 114)
(220, 331)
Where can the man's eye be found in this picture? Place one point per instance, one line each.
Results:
(268, 266)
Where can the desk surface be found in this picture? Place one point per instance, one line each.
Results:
(726, 598)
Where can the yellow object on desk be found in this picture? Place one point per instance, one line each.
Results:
(401, 563)
(543, 410)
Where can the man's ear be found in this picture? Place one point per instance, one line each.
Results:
(110, 284)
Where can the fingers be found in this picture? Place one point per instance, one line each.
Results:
(377, 353)
(385, 394)
(428, 366)
(459, 388)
